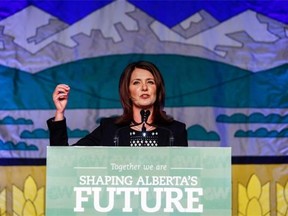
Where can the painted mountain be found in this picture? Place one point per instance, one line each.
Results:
(225, 74)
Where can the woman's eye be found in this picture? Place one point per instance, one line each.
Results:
(151, 82)
(136, 82)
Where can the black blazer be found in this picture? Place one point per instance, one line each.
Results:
(105, 133)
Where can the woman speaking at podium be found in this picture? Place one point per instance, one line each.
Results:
(143, 122)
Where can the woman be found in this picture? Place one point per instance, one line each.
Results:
(143, 122)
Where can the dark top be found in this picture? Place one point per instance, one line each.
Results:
(145, 138)
(104, 134)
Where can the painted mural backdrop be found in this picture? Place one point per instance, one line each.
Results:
(224, 65)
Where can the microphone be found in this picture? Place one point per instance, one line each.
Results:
(144, 117)
(143, 130)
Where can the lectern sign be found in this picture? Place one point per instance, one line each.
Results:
(138, 181)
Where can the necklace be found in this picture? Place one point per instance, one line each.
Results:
(139, 127)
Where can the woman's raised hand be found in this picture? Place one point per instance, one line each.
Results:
(60, 99)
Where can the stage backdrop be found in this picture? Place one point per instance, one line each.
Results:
(224, 64)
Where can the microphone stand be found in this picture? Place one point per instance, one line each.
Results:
(116, 136)
(144, 117)
(171, 137)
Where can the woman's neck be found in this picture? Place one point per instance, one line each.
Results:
(138, 117)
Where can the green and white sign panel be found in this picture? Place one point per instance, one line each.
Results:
(138, 181)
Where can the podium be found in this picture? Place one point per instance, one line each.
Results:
(138, 181)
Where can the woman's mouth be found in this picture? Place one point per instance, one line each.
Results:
(144, 96)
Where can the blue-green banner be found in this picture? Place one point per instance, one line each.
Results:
(225, 78)
(138, 181)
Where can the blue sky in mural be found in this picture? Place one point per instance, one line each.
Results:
(67, 11)
(173, 12)
(168, 12)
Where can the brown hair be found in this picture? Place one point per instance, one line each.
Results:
(159, 115)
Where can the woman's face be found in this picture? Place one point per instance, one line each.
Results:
(142, 89)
